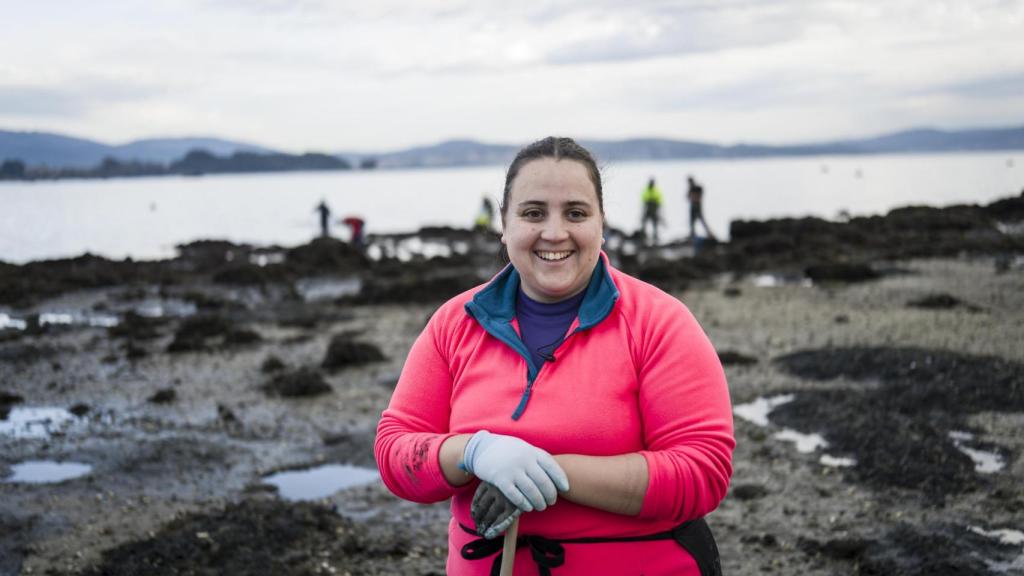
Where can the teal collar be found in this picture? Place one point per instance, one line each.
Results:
(494, 308)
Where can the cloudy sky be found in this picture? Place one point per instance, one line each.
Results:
(385, 74)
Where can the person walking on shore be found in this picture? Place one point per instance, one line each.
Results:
(485, 218)
(612, 454)
(325, 218)
(651, 199)
(695, 195)
(355, 225)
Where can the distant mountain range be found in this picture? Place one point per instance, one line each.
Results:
(468, 152)
(55, 150)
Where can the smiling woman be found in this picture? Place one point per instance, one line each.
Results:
(609, 456)
(553, 233)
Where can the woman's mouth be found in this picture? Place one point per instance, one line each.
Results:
(552, 256)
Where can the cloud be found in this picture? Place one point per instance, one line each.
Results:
(637, 34)
(72, 98)
(992, 87)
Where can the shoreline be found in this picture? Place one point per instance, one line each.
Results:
(251, 370)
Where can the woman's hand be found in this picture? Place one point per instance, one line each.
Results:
(491, 511)
(528, 476)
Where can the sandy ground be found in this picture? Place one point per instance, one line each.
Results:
(177, 487)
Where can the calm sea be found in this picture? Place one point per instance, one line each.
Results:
(144, 218)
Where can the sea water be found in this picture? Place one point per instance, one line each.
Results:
(144, 218)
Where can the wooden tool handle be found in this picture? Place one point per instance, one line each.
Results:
(508, 554)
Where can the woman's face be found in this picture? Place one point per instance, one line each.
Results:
(552, 228)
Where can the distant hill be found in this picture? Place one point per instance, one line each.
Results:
(56, 150)
(167, 150)
(59, 151)
(469, 152)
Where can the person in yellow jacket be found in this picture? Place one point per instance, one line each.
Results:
(652, 209)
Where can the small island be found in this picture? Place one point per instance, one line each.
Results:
(195, 163)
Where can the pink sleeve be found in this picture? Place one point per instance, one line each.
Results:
(415, 423)
(687, 418)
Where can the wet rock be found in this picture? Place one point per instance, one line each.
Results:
(326, 255)
(838, 548)
(246, 274)
(7, 401)
(343, 351)
(137, 327)
(748, 491)
(733, 358)
(841, 319)
(840, 272)
(1007, 209)
(763, 540)
(206, 332)
(226, 415)
(241, 337)
(264, 536)
(272, 364)
(941, 301)
(300, 383)
(163, 396)
(19, 353)
(205, 302)
(898, 426)
(415, 283)
(927, 551)
(732, 292)
(80, 409)
(193, 332)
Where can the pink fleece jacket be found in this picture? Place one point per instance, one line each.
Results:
(644, 378)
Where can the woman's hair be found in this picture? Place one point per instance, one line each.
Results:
(558, 148)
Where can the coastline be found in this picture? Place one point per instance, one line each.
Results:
(181, 421)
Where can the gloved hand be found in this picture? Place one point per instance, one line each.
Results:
(491, 511)
(528, 476)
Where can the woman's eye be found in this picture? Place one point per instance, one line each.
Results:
(533, 214)
(577, 215)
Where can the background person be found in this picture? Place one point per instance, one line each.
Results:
(325, 218)
(651, 199)
(695, 195)
(593, 401)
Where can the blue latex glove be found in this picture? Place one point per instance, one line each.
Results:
(528, 476)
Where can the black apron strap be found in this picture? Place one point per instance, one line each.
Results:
(694, 536)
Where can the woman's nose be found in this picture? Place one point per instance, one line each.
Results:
(554, 230)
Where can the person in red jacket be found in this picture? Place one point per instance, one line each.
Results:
(592, 401)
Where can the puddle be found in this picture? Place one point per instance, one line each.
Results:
(40, 422)
(805, 443)
(46, 472)
(319, 289)
(757, 413)
(168, 307)
(61, 319)
(319, 482)
(984, 462)
(836, 462)
(12, 323)
(776, 280)
(265, 258)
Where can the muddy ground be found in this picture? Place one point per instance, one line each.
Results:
(190, 381)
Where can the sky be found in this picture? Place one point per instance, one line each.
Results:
(382, 75)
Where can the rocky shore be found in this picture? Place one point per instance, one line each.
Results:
(876, 367)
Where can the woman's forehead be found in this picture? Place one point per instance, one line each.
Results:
(548, 180)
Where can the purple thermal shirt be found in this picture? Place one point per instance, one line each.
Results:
(542, 326)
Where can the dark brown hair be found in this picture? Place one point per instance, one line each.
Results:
(559, 148)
